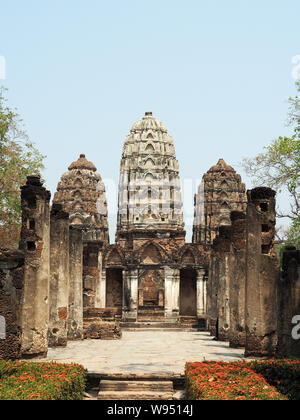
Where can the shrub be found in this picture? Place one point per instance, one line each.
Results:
(41, 381)
(283, 374)
(227, 381)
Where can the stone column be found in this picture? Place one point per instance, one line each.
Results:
(172, 291)
(223, 298)
(130, 295)
(262, 274)
(98, 298)
(289, 306)
(212, 292)
(168, 292)
(201, 293)
(91, 273)
(35, 242)
(102, 289)
(11, 293)
(59, 276)
(237, 268)
(75, 323)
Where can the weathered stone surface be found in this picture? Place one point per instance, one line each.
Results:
(237, 274)
(140, 390)
(220, 193)
(81, 192)
(59, 272)
(35, 243)
(102, 331)
(11, 292)
(262, 274)
(75, 320)
(289, 307)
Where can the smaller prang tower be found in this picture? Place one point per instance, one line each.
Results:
(220, 193)
(81, 193)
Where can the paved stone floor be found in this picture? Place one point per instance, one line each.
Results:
(145, 352)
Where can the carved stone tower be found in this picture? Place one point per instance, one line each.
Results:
(82, 194)
(220, 193)
(150, 192)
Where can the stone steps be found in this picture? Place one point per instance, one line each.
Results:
(136, 390)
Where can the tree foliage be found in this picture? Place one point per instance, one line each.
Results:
(279, 167)
(18, 159)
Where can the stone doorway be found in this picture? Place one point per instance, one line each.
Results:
(114, 288)
(151, 296)
(188, 292)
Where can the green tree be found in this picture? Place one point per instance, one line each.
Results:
(279, 167)
(18, 159)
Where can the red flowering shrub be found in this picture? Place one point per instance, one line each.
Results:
(41, 381)
(227, 381)
(283, 374)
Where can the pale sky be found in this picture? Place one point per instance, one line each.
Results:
(217, 73)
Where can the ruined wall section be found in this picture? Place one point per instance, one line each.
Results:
(35, 243)
(11, 294)
(237, 274)
(262, 274)
(59, 272)
(289, 305)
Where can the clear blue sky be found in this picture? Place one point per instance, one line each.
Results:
(217, 73)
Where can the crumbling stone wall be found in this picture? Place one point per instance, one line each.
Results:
(218, 286)
(11, 294)
(262, 274)
(59, 272)
(92, 267)
(237, 274)
(75, 320)
(35, 243)
(289, 297)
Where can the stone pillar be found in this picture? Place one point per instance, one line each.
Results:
(172, 291)
(289, 306)
(75, 322)
(223, 297)
(131, 295)
(212, 294)
(237, 268)
(102, 289)
(35, 243)
(59, 276)
(98, 297)
(262, 274)
(11, 294)
(201, 293)
(91, 274)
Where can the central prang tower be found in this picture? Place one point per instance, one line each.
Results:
(150, 204)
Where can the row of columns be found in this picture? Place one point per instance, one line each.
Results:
(172, 293)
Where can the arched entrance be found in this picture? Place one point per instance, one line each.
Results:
(151, 295)
(114, 288)
(188, 292)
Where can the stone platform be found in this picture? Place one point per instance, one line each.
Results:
(145, 353)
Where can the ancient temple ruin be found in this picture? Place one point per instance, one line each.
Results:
(68, 282)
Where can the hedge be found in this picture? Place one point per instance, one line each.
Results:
(41, 381)
(283, 374)
(228, 381)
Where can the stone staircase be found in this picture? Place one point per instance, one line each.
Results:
(135, 390)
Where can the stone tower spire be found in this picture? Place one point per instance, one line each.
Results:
(81, 192)
(220, 193)
(149, 190)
